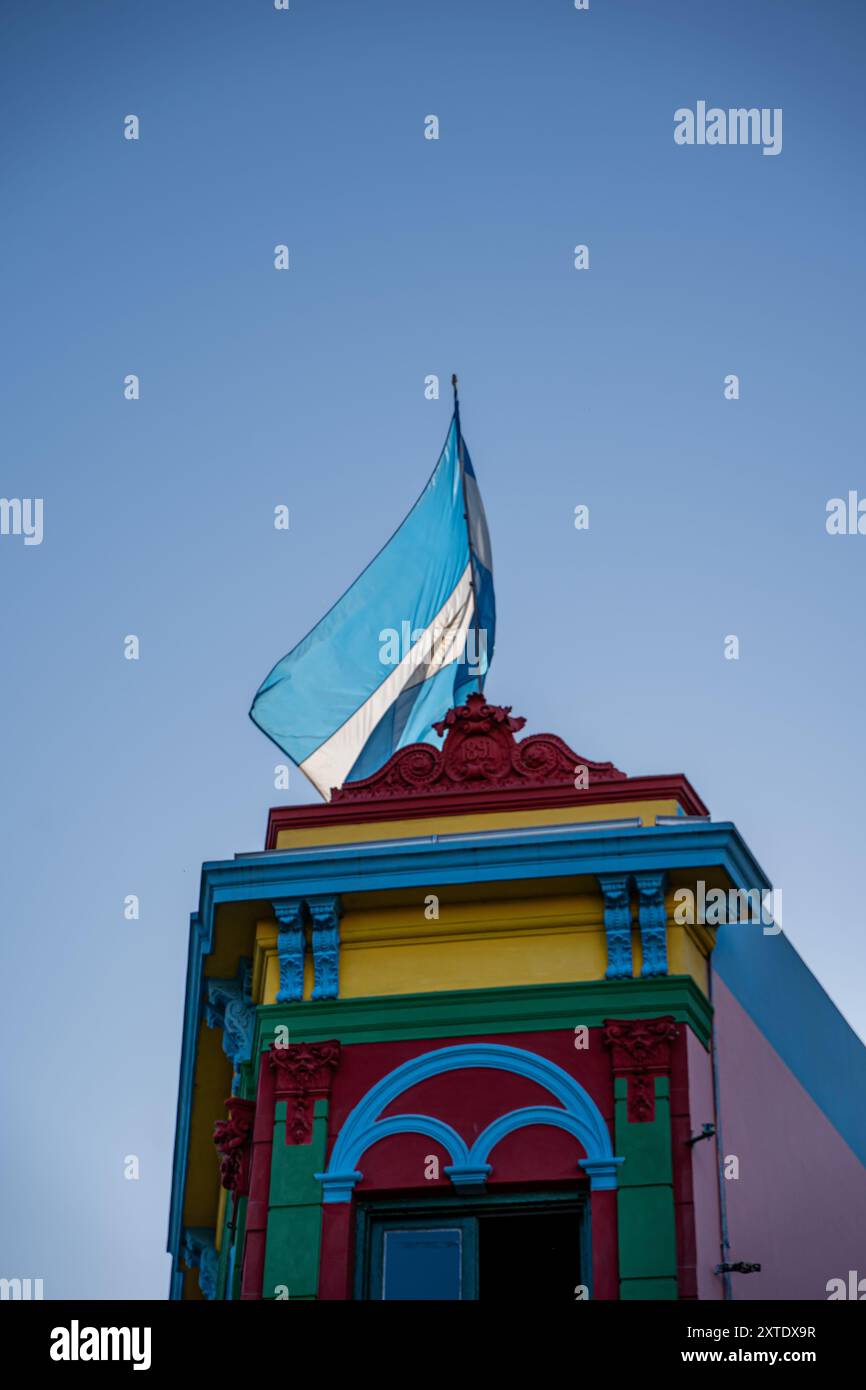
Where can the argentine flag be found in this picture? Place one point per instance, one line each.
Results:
(410, 639)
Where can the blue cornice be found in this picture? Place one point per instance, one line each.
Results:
(485, 857)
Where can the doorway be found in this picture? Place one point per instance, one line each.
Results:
(531, 1247)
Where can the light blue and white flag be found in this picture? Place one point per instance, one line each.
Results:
(400, 648)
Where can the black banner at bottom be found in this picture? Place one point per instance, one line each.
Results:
(65, 1337)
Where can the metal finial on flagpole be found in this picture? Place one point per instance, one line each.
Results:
(468, 531)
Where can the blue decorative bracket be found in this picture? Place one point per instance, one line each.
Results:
(323, 911)
(290, 948)
(325, 915)
(229, 1005)
(198, 1252)
(653, 922)
(617, 925)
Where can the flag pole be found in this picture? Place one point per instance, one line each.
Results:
(468, 529)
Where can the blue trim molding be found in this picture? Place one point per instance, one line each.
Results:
(579, 1115)
(617, 925)
(653, 922)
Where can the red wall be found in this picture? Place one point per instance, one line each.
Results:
(539, 1157)
(536, 1158)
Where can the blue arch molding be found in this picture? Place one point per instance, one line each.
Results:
(485, 857)
(577, 1113)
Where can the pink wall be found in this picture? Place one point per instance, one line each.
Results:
(798, 1207)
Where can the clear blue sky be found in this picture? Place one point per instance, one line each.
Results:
(408, 257)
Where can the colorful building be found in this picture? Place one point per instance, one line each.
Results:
(461, 1033)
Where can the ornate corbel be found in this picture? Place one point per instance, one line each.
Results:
(325, 917)
(290, 949)
(233, 1139)
(303, 1073)
(652, 919)
(617, 925)
(641, 1051)
(198, 1252)
(229, 1005)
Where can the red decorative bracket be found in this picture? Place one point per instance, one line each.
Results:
(303, 1074)
(640, 1051)
(233, 1138)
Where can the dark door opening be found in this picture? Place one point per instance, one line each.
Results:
(533, 1257)
(528, 1246)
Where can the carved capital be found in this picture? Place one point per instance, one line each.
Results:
(303, 1074)
(289, 912)
(640, 1050)
(233, 1139)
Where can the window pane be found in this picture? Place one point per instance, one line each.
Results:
(422, 1264)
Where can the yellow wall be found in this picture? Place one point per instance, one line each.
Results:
(213, 1084)
(464, 824)
(481, 944)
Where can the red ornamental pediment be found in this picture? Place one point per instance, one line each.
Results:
(480, 752)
